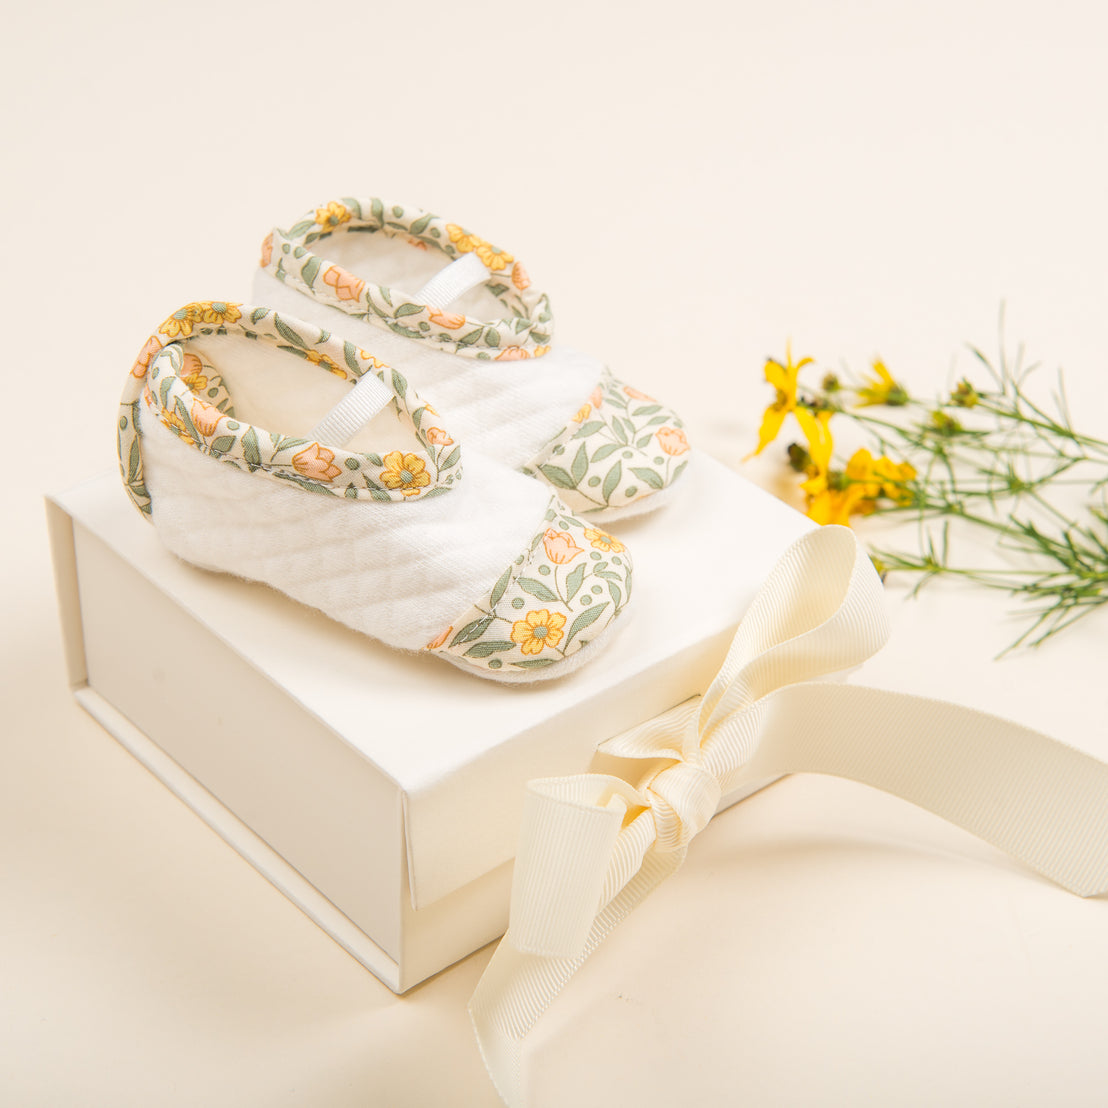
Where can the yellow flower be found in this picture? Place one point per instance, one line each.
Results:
(838, 505)
(493, 257)
(882, 389)
(462, 239)
(332, 216)
(407, 472)
(835, 496)
(894, 479)
(328, 363)
(179, 324)
(601, 540)
(783, 379)
(218, 312)
(582, 413)
(832, 499)
(540, 629)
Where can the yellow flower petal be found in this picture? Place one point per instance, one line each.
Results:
(784, 379)
(815, 427)
(771, 424)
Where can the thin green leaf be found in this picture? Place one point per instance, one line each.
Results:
(587, 429)
(580, 465)
(611, 481)
(557, 477)
(537, 589)
(584, 619)
(308, 273)
(650, 476)
(472, 631)
(484, 649)
(498, 589)
(250, 452)
(287, 333)
(350, 356)
(297, 230)
(574, 580)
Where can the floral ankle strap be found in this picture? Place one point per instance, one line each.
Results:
(525, 332)
(187, 394)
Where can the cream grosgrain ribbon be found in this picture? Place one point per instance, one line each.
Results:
(593, 846)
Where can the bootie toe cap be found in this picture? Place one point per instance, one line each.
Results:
(620, 448)
(556, 599)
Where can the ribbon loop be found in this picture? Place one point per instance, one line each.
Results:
(567, 839)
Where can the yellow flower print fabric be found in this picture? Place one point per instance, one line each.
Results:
(619, 447)
(555, 598)
(188, 396)
(524, 332)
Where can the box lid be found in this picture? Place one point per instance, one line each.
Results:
(459, 749)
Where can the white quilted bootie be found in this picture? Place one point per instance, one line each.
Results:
(463, 321)
(243, 436)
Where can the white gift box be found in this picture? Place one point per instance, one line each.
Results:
(381, 791)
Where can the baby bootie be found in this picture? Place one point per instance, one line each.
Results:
(372, 523)
(475, 336)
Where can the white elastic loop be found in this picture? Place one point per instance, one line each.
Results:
(352, 412)
(451, 282)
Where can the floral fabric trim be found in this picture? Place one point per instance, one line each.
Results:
(556, 597)
(620, 446)
(525, 333)
(187, 394)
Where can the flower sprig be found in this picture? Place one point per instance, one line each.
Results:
(833, 494)
(985, 457)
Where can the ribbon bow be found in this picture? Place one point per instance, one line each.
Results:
(593, 846)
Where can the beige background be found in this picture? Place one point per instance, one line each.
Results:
(694, 184)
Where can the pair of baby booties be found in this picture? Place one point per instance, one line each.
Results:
(342, 411)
